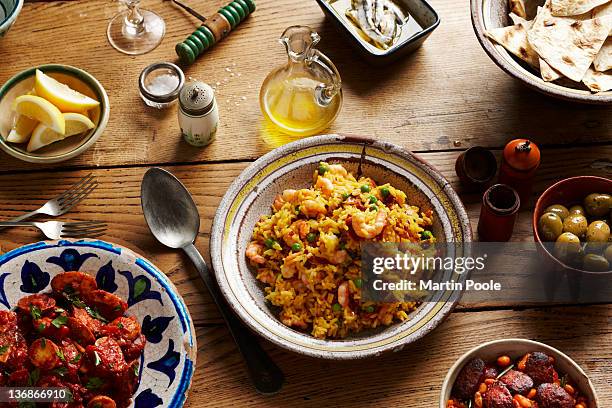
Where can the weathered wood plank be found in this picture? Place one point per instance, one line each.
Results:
(117, 202)
(448, 91)
(409, 378)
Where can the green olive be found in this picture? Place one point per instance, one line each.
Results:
(576, 224)
(558, 209)
(576, 209)
(595, 263)
(598, 205)
(608, 253)
(550, 226)
(598, 231)
(567, 246)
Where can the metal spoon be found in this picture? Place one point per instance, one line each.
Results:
(174, 220)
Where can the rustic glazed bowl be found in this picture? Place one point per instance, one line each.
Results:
(292, 166)
(9, 10)
(567, 192)
(169, 357)
(489, 14)
(70, 147)
(516, 348)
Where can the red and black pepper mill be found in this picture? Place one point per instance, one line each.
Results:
(520, 161)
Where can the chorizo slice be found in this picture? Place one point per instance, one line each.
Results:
(8, 321)
(125, 328)
(110, 306)
(554, 396)
(540, 368)
(80, 332)
(106, 356)
(94, 325)
(132, 350)
(517, 382)
(39, 302)
(498, 396)
(44, 354)
(101, 401)
(74, 283)
(468, 380)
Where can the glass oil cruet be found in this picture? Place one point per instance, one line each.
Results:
(304, 96)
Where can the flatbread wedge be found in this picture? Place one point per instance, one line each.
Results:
(518, 7)
(568, 46)
(514, 39)
(603, 60)
(547, 72)
(601, 11)
(598, 81)
(574, 7)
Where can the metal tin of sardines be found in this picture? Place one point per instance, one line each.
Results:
(198, 113)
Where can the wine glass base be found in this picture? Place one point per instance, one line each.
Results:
(133, 43)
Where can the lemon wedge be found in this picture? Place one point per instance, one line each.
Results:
(22, 130)
(40, 109)
(61, 95)
(43, 135)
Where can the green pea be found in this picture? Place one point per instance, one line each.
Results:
(269, 243)
(358, 282)
(337, 307)
(323, 168)
(373, 200)
(297, 209)
(385, 191)
(365, 188)
(312, 237)
(345, 196)
(370, 309)
(373, 208)
(426, 235)
(296, 247)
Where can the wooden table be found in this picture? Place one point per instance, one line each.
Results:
(442, 99)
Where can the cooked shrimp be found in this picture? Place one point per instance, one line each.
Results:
(253, 252)
(302, 227)
(325, 185)
(312, 208)
(368, 230)
(289, 266)
(338, 170)
(288, 196)
(290, 237)
(343, 294)
(337, 257)
(329, 249)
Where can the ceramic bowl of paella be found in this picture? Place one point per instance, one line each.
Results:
(285, 243)
(96, 319)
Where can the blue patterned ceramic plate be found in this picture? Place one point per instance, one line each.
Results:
(170, 354)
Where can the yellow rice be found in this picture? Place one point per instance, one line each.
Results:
(307, 251)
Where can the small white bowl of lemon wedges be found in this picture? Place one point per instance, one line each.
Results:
(51, 113)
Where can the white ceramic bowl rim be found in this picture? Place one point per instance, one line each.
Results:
(12, 15)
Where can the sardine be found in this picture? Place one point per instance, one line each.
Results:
(377, 20)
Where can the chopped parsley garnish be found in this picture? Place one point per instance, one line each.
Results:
(3, 349)
(120, 325)
(117, 308)
(59, 321)
(43, 343)
(33, 377)
(136, 367)
(41, 327)
(59, 310)
(76, 359)
(35, 312)
(60, 354)
(81, 305)
(61, 371)
(94, 383)
(96, 359)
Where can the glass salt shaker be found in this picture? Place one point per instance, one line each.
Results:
(198, 113)
(160, 84)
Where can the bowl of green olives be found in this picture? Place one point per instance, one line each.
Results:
(572, 221)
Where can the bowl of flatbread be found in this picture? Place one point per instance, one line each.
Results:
(562, 48)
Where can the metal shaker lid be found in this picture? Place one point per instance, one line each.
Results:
(196, 98)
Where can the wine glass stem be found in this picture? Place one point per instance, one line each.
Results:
(134, 21)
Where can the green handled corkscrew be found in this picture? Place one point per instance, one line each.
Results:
(214, 29)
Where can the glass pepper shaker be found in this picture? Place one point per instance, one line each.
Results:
(198, 113)
(520, 161)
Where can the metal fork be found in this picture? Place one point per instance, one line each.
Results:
(61, 230)
(64, 202)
